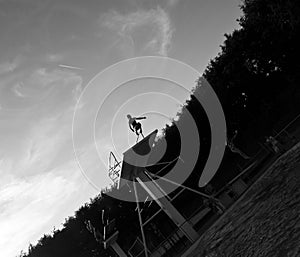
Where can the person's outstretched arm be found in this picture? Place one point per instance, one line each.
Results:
(140, 118)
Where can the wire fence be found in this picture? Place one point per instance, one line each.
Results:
(289, 135)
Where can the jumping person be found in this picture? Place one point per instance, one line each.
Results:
(135, 126)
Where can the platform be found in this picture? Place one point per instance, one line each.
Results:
(136, 158)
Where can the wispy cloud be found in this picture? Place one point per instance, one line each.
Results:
(147, 29)
(9, 66)
(70, 67)
(172, 2)
(35, 189)
(28, 205)
(43, 144)
(17, 88)
(53, 57)
(32, 132)
(43, 77)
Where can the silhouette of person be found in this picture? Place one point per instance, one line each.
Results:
(135, 126)
(273, 143)
(233, 148)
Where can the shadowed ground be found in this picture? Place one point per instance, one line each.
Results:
(265, 221)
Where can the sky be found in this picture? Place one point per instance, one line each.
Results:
(50, 50)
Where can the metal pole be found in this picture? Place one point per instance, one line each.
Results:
(140, 219)
(167, 206)
(180, 185)
(118, 250)
(287, 125)
(192, 190)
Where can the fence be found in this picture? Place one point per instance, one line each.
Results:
(289, 135)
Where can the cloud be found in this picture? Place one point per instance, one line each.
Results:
(70, 67)
(144, 29)
(43, 143)
(28, 205)
(54, 57)
(17, 88)
(39, 91)
(36, 193)
(8, 67)
(43, 77)
(35, 131)
(173, 2)
(56, 90)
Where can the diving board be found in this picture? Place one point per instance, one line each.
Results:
(135, 159)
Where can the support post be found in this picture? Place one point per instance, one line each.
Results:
(167, 206)
(118, 250)
(140, 220)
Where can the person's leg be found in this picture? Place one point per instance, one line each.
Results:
(136, 128)
(139, 129)
(141, 132)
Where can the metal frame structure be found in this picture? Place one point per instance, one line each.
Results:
(133, 172)
(114, 167)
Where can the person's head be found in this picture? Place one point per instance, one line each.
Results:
(128, 116)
